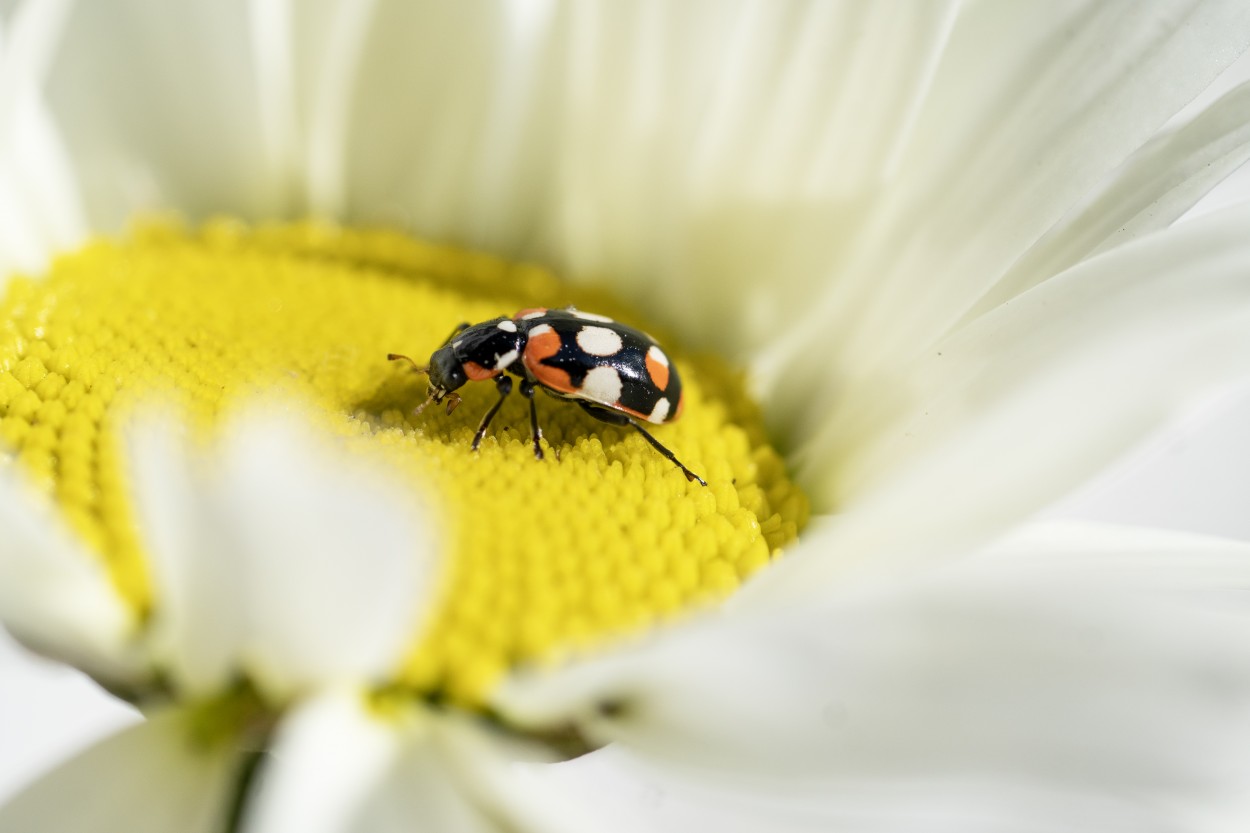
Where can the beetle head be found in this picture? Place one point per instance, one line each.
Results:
(446, 375)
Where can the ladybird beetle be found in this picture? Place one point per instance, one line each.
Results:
(615, 373)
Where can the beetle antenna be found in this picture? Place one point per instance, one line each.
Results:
(420, 368)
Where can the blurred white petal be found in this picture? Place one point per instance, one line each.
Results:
(1153, 188)
(302, 566)
(1033, 105)
(706, 145)
(39, 201)
(54, 595)
(1079, 673)
(48, 712)
(326, 757)
(339, 766)
(458, 776)
(339, 556)
(1076, 88)
(199, 625)
(1034, 397)
(665, 800)
(159, 107)
(150, 778)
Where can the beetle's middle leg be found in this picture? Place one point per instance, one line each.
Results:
(504, 385)
(527, 390)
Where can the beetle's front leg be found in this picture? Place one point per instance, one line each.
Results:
(536, 433)
(504, 385)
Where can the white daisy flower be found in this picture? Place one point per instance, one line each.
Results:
(940, 239)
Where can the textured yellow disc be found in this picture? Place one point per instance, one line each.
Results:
(602, 538)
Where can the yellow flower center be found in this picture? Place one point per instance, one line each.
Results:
(602, 538)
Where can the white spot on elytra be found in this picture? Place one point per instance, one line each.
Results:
(657, 355)
(541, 329)
(599, 341)
(507, 326)
(501, 362)
(538, 313)
(602, 385)
(660, 411)
(590, 316)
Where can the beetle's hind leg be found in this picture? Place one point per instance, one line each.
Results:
(615, 418)
(504, 385)
(536, 433)
(668, 454)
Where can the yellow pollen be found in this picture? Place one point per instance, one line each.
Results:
(601, 539)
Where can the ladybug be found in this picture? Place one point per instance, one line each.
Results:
(615, 373)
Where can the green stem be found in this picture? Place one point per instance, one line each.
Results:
(249, 771)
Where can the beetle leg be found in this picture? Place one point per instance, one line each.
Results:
(668, 454)
(536, 433)
(460, 328)
(504, 385)
(615, 418)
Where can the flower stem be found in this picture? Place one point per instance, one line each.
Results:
(249, 771)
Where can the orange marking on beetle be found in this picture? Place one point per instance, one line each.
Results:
(544, 343)
(658, 371)
(532, 311)
(477, 373)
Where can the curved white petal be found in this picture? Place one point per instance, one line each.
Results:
(338, 767)
(1073, 663)
(663, 799)
(1033, 105)
(339, 556)
(460, 777)
(50, 711)
(1150, 191)
(670, 800)
(328, 755)
(280, 556)
(1011, 411)
(198, 627)
(150, 778)
(39, 201)
(159, 109)
(55, 596)
(718, 156)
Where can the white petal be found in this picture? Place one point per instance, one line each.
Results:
(337, 554)
(1033, 105)
(39, 203)
(338, 766)
(668, 800)
(1033, 398)
(703, 145)
(282, 555)
(1150, 191)
(55, 596)
(1053, 665)
(49, 712)
(144, 94)
(151, 778)
(450, 122)
(327, 756)
(198, 627)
